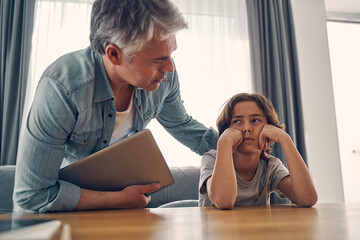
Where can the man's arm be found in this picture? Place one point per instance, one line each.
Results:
(174, 118)
(41, 152)
(130, 197)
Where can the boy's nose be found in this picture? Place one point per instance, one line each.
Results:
(246, 130)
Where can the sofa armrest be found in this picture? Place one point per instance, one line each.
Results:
(184, 188)
(7, 176)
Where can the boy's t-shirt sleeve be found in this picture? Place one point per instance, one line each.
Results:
(277, 172)
(206, 169)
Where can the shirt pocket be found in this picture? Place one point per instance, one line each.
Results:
(151, 114)
(83, 144)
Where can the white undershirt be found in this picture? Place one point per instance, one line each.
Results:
(124, 123)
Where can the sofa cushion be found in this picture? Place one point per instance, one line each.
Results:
(181, 203)
(184, 188)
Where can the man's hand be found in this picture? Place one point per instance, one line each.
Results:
(134, 196)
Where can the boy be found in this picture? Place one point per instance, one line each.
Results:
(239, 172)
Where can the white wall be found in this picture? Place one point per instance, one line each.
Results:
(318, 100)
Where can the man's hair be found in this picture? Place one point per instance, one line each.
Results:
(224, 120)
(130, 24)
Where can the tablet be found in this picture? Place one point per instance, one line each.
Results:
(23, 229)
(136, 160)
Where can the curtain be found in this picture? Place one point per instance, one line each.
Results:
(60, 27)
(274, 65)
(212, 57)
(15, 44)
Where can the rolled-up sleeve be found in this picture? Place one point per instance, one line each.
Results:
(41, 151)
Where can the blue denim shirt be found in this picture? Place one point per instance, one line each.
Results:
(73, 116)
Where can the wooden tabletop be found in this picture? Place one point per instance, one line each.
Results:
(323, 221)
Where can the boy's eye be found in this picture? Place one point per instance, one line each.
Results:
(236, 121)
(256, 120)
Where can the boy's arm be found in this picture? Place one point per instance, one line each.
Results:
(222, 186)
(298, 187)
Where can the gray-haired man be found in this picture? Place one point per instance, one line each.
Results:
(90, 99)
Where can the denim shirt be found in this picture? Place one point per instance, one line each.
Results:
(73, 116)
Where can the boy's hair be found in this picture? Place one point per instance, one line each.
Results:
(130, 24)
(224, 120)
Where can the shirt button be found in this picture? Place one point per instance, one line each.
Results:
(155, 115)
(140, 106)
(86, 140)
(110, 115)
(105, 141)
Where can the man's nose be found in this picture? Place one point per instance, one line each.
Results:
(167, 66)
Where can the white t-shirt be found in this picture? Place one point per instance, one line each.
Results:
(124, 124)
(256, 192)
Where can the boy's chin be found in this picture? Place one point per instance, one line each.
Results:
(248, 150)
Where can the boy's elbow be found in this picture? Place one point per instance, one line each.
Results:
(224, 205)
(223, 202)
(311, 202)
(308, 202)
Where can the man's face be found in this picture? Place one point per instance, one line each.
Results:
(148, 68)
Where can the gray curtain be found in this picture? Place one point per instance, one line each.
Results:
(16, 27)
(274, 65)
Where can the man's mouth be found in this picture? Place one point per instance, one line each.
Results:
(160, 79)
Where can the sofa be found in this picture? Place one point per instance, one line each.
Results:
(184, 192)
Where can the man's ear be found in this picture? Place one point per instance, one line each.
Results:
(114, 54)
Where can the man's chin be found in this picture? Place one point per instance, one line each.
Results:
(152, 87)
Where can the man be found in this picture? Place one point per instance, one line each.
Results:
(98, 96)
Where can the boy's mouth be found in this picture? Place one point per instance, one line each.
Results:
(248, 139)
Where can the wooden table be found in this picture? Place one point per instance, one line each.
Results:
(323, 221)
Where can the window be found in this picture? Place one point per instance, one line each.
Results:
(344, 49)
(212, 58)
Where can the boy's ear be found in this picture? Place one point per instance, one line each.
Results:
(114, 54)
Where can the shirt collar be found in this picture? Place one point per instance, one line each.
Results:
(102, 89)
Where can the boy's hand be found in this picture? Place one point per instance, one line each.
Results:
(269, 134)
(234, 136)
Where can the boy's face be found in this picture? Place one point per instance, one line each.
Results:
(250, 119)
